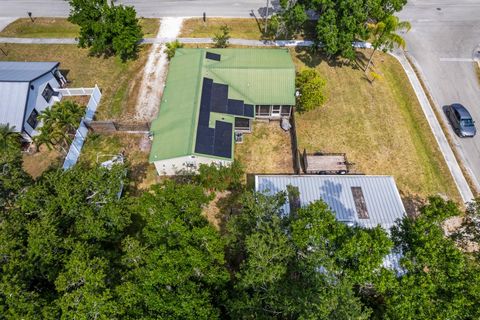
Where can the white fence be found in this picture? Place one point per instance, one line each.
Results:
(82, 131)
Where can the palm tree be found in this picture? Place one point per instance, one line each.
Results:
(385, 36)
(9, 139)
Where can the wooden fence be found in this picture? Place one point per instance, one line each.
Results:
(110, 126)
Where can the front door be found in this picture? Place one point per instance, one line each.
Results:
(276, 111)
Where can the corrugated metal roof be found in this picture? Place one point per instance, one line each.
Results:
(13, 99)
(24, 71)
(255, 76)
(381, 195)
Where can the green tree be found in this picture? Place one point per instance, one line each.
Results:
(175, 266)
(440, 281)
(171, 48)
(341, 22)
(306, 265)
(289, 21)
(221, 38)
(214, 177)
(384, 35)
(311, 87)
(106, 29)
(59, 246)
(9, 138)
(59, 124)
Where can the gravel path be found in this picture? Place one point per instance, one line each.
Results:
(154, 72)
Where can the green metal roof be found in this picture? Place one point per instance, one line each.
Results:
(256, 76)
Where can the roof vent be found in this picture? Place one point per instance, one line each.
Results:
(213, 56)
(360, 203)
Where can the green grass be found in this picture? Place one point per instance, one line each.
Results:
(379, 125)
(60, 28)
(117, 80)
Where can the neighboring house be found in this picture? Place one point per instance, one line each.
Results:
(26, 89)
(210, 94)
(356, 200)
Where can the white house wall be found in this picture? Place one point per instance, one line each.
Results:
(36, 100)
(170, 167)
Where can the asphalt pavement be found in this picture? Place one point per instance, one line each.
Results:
(443, 41)
(145, 8)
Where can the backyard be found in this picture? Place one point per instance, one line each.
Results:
(379, 125)
(266, 150)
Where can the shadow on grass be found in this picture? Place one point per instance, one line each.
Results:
(312, 58)
(412, 204)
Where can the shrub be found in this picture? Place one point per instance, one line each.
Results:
(171, 48)
(311, 87)
(221, 38)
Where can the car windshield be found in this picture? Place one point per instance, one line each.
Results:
(467, 123)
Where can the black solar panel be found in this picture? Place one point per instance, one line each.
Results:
(204, 143)
(235, 107)
(248, 110)
(204, 114)
(219, 98)
(223, 139)
(213, 56)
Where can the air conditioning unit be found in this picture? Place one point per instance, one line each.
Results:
(238, 137)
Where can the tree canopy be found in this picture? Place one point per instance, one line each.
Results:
(71, 248)
(106, 29)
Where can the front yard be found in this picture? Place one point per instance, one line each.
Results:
(379, 125)
(60, 28)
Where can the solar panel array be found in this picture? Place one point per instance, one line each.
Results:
(213, 56)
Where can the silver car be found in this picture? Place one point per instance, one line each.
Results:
(461, 120)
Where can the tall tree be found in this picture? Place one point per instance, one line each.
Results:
(384, 35)
(106, 29)
(9, 138)
(175, 266)
(306, 265)
(440, 281)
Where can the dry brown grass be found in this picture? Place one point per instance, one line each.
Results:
(136, 147)
(379, 125)
(116, 79)
(266, 150)
(36, 163)
(240, 28)
(60, 28)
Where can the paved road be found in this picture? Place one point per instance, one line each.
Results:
(145, 8)
(443, 39)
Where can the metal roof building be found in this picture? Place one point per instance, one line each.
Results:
(15, 85)
(366, 201)
(207, 88)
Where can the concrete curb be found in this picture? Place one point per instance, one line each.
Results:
(454, 167)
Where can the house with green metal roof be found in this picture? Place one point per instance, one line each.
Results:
(212, 94)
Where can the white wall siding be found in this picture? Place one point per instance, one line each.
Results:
(171, 167)
(36, 100)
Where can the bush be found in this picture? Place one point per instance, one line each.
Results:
(311, 87)
(220, 178)
(171, 48)
(220, 40)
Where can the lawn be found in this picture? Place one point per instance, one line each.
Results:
(60, 28)
(118, 81)
(379, 125)
(241, 28)
(266, 150)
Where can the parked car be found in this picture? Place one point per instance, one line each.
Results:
(461, 120)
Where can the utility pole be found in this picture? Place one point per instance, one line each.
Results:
(266, 16)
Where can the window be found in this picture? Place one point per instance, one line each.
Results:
(276, 110)
(47, 92)
(262, 110)
(32, 119)
(285, 111)
(242, 124)
(467, 122)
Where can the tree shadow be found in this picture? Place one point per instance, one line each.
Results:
(228, 206)
(312, 57)
(137, 173)
(412, 203)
